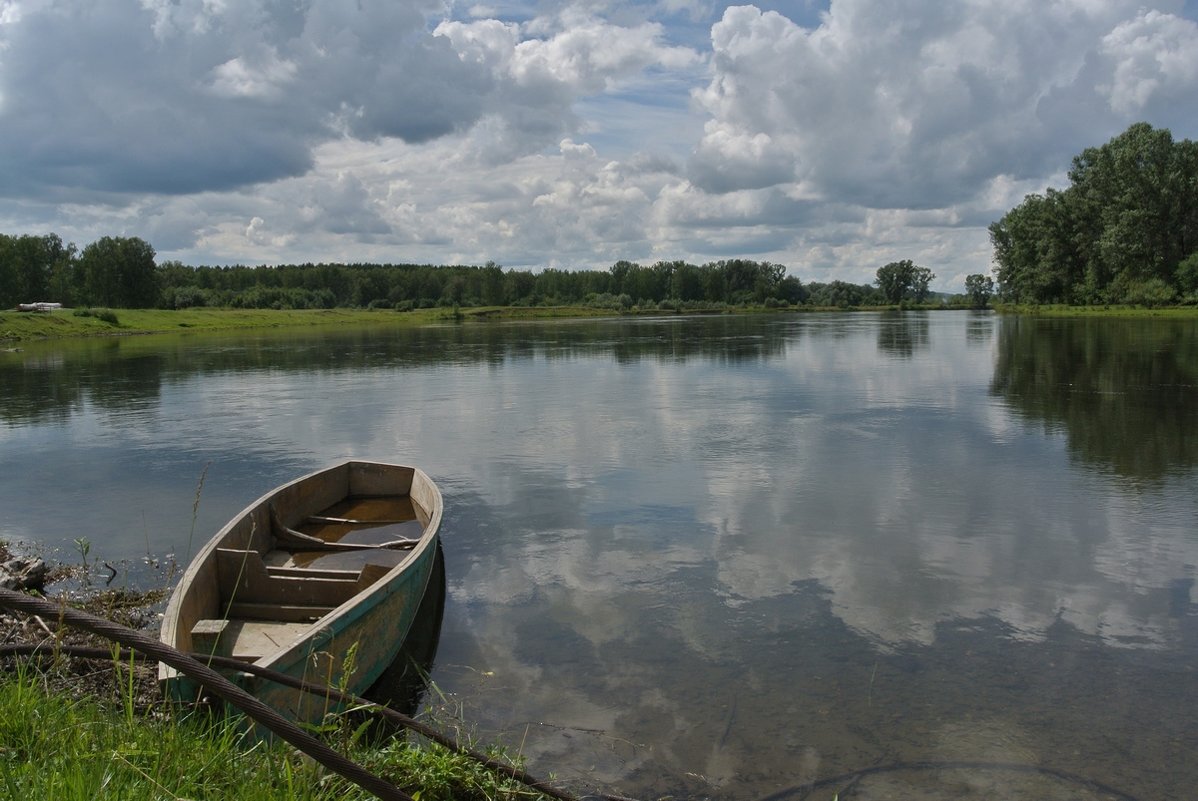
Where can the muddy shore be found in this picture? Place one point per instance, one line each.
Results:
(101, 678)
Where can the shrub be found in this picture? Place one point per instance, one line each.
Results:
(1187, 275)
(185, 297)
(1150, 292)
(107, 315)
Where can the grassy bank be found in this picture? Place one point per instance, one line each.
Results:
(57, 744)
(27, 326)
(18, 327)
(1097, 311)
(23, 326)
(84, 728)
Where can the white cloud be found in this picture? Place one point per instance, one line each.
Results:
(570, 133)
(239, 77)
(921, 105)
(1153, 57)
(543, 68)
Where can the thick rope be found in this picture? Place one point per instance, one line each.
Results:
(332, 694)
(213, 682)
(800, 790)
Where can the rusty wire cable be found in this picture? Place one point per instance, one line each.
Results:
(348, 699)
(214, 683)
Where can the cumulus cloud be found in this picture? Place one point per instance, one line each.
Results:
(183, 97)
(264, 77)
(1151, 60)
(889, 104)
(541, 69)
(179, 97)
(831, 137)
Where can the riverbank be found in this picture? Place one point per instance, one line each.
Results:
(1097, 311)
(76, 728)
(17, 327)
(68, 324)
(73, 746)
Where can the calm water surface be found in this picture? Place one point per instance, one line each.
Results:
(712, 557)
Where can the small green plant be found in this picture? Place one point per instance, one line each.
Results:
(84, 547)
(195, 506)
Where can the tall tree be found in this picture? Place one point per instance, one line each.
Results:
(120, 272)
(903, 280)
(28, 268)
(979, 288)
(1118, 233)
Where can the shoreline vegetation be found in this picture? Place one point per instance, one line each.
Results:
(73, 746)
(1124, 231)
(1122, 236)
(72, 727)
(24, 327)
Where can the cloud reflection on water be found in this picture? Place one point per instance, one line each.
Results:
(705, 546)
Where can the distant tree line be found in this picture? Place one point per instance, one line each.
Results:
(1124, 231)
(112, 271)
(121, 272)
(406, 286)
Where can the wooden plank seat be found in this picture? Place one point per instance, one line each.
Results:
(264, 607)
(245, 579)
(247, 640)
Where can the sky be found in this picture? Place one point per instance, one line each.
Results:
(830, 137)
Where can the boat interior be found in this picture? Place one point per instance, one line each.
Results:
(265, 595)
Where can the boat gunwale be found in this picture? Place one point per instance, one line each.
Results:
(354, 608)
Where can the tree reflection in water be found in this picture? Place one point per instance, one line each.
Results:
(1124, 392)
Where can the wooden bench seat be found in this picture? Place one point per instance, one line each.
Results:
(266, 607)
(245, 578)
(247, 640)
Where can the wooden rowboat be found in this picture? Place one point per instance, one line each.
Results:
(320, 579)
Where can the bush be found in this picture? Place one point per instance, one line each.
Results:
(107, 315)
(606, 300)
(185, 297)
(1150, 292)
(1187, 275)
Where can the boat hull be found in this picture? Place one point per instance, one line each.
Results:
(346, 645)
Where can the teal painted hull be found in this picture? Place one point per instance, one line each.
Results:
(349, 645)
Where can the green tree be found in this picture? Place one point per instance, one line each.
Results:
(980, 289)
(119, 272)
(31, 269)
(1118, 233)
(894, 279)
(1187, 276)
(792, 290)
(1128, 192)
(492, 291)
(1037, 253)
(686, 282)
(10, 288)
(841, 294)
(63, 282)
(903, 280)
(921, 284)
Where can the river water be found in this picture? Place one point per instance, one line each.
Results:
(710, 556)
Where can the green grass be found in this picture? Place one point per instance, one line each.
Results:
(26, 326)
(19, 326)
(1060, 310)
(72, 748)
